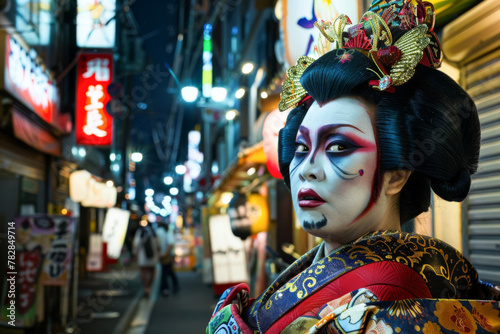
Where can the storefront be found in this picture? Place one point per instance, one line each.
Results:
(472, 42)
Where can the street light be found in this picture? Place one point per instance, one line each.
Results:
(239, 93)
(136, 157)
(168, 180)
(180, 169)
(189, 93)
(231, 114)
(219, 94)
(247, 68)
(174, 191)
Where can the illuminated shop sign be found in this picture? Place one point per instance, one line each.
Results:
(26, 79)
(94, 126)
(96, 24)
(299, 34)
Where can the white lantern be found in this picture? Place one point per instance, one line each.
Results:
(78, 185)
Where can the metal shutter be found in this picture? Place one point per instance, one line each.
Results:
(482, 210)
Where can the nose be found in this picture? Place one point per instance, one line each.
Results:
(312, 169)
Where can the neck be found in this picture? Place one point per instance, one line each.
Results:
(389, 219)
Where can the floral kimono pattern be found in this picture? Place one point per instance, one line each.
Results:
(384, 282)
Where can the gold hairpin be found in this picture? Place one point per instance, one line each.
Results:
(293, 92)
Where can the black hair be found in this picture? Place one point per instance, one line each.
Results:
(429, 125)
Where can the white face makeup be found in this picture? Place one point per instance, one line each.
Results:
(332, 175)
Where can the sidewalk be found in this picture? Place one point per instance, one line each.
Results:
(107, 301)
(187, 311)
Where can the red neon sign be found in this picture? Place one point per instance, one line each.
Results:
(94, 126)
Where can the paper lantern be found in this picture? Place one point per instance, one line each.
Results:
(78, 185)
(273, 123)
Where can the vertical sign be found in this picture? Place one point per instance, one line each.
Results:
(207, 61)
(96, 23)
(44, 250)
(94, 126)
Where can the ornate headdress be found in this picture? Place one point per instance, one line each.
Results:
(395, 61)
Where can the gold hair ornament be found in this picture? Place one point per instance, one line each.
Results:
(395, 62)
(293, 92)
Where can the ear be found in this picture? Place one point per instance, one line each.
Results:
(395, 180)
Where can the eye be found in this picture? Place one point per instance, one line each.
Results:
(336, 147)
(301, 148)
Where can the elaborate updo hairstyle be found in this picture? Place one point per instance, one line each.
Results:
(429, 125)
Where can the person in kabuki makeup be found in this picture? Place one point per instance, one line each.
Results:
(374, 128)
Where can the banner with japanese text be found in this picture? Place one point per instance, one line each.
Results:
(44, 248)
(94, 126)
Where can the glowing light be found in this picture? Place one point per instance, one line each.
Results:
(247, 68)
(180, 169)
(264, 95)
(81, 152)
(219, 94)
(226, 198)
(174, 191)
(240, 93)
(115, 167)
(230, 115)
(110, 183)
(168, 180)
(64, 211)
(144, 223)
(189, 93)
(112, 157)
(136, 157)
(150, 192)
(251, 171)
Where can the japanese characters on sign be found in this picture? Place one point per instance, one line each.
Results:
(26, 79)
(43, 255)
(94, 126)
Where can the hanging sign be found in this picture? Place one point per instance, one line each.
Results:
(114, 231)
(300, 34)
(44, 250)
(25, 77)
(96, 23)
(94, 126)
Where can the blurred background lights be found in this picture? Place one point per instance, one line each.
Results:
(112, 157)
(174, 191)
(150, 192)
(81, 152)
(247, 68)
(168, 180)
(240, 93)
(144, 223)
(180, 169)
(219, 94)
(136, 157)
(189, 93)
(226, 198)
(230, 115)
(109, 183)
(264, 95)
(215, 167)
(115, 167)
(251, 171)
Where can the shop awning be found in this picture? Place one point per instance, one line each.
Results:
(247, 172)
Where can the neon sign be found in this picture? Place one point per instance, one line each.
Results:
(94, 126)
(26, 79)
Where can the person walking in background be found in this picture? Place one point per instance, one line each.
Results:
(146, 248)
(167, 259)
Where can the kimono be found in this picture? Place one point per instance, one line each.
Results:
(384, 282)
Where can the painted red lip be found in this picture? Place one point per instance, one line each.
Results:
(308, 198)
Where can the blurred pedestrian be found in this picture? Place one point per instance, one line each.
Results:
(167, 259)
(146, 248)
